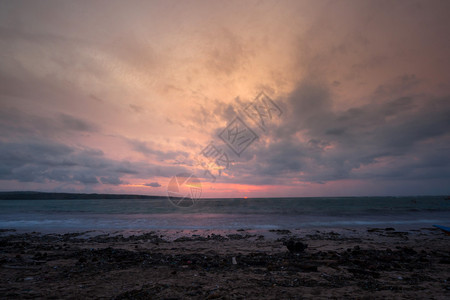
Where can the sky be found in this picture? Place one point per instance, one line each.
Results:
(253, 98)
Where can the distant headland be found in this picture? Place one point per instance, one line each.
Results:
(30, 195)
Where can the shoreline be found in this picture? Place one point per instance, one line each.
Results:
(70, 222)
(228, 264)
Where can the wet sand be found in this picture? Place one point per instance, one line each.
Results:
(365, 263)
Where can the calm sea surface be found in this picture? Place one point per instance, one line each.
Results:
(257, 213)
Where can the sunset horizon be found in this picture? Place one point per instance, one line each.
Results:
(261, 98)
(224, 149)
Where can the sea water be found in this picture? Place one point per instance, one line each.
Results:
(256, 213)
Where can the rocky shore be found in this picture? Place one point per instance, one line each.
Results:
(243, 264)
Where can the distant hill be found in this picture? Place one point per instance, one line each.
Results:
(66, 196)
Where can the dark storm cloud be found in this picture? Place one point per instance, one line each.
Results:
(149, 149)
(402, 138)
(84, 178)
(125, 167)
(16, 123)
(39, 161)
(114, 180)
(400, 85)
(153, 184)
(72, 123)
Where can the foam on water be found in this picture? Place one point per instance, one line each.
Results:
(262, 213)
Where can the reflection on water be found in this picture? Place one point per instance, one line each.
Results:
(221, 214)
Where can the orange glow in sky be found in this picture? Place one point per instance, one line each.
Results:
(116, 97)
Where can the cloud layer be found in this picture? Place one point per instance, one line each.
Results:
(112, 96)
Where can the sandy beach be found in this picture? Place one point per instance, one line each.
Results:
(367, 263)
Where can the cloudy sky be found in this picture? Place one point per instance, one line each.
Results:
(120, 96)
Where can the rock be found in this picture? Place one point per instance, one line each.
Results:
(214, 295)
(280, 231)
(305, 267)
(362, 272)
(295, 246)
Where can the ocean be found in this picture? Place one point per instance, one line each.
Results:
(223, 214)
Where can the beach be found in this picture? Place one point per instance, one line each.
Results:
(352, 263)
(258, 149)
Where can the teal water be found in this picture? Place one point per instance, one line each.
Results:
(257, 213)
